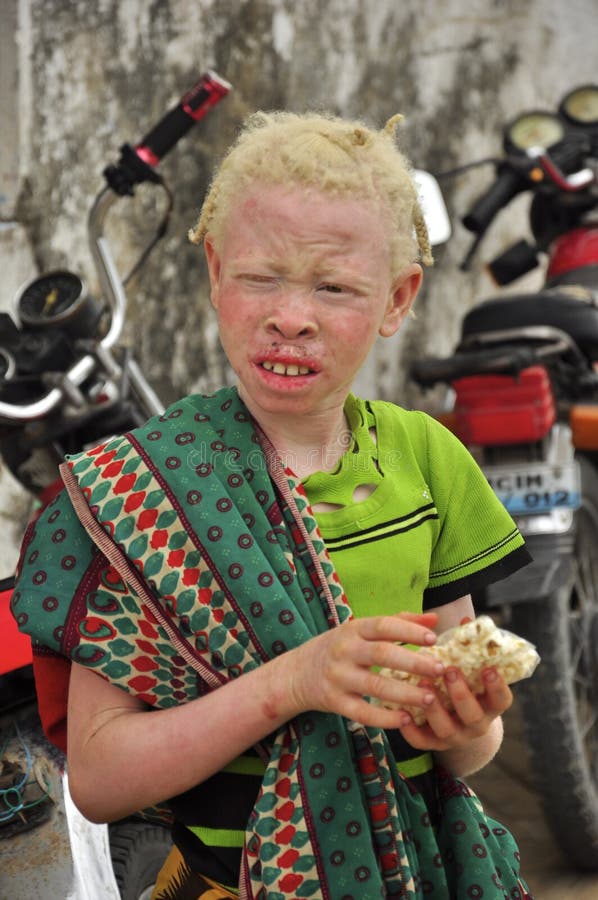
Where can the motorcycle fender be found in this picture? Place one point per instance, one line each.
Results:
(552, 567)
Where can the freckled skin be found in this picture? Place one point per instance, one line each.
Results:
(303, 278)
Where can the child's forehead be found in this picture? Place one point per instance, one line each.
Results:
(259, 197)
(301, 210)
(291, 225)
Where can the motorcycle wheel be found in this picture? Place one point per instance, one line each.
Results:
(138, 850)
(560, 702)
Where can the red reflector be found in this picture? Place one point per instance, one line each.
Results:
(500, 409)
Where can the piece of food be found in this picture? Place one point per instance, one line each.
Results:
(473, 647)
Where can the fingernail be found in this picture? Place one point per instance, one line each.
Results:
(439, 668)
(404, 720)
(430, 637)
(490, 675)
(429, 698)
(451, 675)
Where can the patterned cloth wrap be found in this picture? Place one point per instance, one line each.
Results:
(204, 562)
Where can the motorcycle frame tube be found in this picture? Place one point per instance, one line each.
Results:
(110, 281)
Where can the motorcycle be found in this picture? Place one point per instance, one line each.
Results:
(522, 395)
(66, 384)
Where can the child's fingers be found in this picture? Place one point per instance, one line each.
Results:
(498, 696)
(398, 629)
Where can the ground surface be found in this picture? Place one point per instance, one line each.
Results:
(506, 789)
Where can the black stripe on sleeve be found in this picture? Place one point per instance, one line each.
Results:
(446, 593)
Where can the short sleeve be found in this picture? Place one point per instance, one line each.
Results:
(478, 542)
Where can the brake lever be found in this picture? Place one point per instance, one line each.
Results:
(577, 181)
(465, 263)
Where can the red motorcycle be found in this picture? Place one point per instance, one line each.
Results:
(523, 396)
(66, 383)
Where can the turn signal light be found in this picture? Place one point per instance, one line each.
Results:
(583, 420)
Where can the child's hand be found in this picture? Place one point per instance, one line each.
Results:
(471, 718)
(333, 671)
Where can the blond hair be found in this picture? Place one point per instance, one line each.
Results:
(336, 156)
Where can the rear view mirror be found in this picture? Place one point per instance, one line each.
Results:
(433, 207)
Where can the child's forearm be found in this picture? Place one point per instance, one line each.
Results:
(128, 757)
(122, 757)
(472, 757)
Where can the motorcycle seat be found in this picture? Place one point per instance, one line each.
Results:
(575, 315)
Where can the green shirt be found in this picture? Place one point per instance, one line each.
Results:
(431, 529)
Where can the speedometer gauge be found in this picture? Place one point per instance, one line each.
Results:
(581, 105)
(58, 299)
(50, 298)
(533, 129)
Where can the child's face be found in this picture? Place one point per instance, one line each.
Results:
(301, 284)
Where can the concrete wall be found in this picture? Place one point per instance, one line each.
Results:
(77, 79)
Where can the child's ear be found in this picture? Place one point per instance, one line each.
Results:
(403, 293)
(213, 260)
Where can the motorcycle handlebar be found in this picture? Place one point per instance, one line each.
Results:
(507, 185)
(434, 370)
(137, 164)
(576, 181)
(27, 412)
(192, 107)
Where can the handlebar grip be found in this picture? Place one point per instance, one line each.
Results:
(192, 107)
(506, 359)
(442, 369)
(507, 185)
(136, 164)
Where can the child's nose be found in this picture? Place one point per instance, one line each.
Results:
(292, 316)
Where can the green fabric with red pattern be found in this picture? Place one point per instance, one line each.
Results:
(223, 568)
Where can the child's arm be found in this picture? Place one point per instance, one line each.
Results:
(123, 757)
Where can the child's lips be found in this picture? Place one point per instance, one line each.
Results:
(292, 364)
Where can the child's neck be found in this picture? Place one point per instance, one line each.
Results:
(309, 444)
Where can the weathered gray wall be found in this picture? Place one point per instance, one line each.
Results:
(77, 79)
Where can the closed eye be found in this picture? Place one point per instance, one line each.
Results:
(333, 288)
(254, 278)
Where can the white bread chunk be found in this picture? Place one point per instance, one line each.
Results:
(473, 647)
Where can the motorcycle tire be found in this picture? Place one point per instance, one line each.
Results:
(560, 702)
(138, 850)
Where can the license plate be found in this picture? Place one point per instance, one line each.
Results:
(535, 488)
